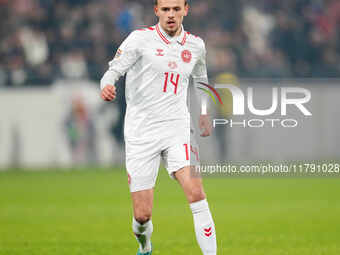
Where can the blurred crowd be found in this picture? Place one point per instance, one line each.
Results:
(46, 40)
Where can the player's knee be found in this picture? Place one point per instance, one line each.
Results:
(196, 194)
(143, 217)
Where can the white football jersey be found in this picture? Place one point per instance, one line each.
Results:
(158, 71)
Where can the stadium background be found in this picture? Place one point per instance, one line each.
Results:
(52, 55)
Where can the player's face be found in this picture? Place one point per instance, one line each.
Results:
(171, 14)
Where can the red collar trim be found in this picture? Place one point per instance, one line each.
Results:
(184, 38)
(161, 35)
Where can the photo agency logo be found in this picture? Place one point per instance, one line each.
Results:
(281, 99)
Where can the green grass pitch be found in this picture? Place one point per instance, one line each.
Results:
(88, 212)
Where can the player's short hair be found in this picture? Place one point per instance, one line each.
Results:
(156, 2)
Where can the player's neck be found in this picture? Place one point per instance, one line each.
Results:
(175, 33)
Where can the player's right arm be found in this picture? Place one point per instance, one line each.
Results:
(126, 56)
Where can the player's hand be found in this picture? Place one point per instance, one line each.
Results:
(205, 125)
(108, 93)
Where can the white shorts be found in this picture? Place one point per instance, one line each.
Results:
(143, 158)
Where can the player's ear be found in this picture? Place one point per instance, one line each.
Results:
(155, 8)
(186, 9)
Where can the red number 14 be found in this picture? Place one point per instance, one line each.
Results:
(172, 81)
(192, 149)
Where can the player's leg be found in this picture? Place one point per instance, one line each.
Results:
(181, 153)
(142, 164)
(203, 221)
(191, 185)
(141, 224)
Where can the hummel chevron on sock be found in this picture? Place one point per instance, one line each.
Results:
(204, 227)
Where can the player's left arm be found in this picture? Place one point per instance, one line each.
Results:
(199, 74)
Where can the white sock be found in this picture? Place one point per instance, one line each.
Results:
(143, 234)
(204, 227)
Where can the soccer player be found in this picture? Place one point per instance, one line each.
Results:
(159, 61)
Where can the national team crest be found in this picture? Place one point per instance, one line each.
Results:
(186, 56)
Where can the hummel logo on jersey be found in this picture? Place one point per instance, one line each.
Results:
(160, 52)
